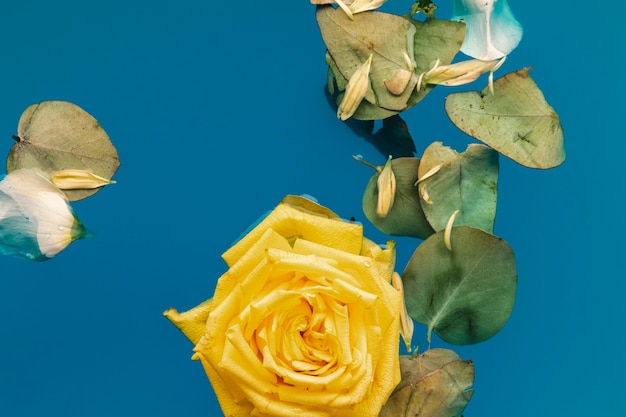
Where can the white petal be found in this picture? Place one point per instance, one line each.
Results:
(36, 220)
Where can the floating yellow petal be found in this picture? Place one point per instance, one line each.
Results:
(406, 322)
(355, 90)
(386, 189)
(448, 231)
(421, 186)
(461, 72)
(78, 179)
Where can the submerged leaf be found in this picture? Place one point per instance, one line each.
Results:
(393, 138)
(516, 120)
(57, 135)
(465, 295)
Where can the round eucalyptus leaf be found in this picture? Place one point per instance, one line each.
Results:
(466, 294)
(58, 135)
(405, 218)
(351, 41)
(515, 120)
(404, 50)
(465, 181)
(436, 383)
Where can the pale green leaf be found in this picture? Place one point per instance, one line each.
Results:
(56, 135)
(516, 120)
(387, 37)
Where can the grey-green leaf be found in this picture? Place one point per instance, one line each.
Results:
(516, 120)
(55, 135)
(466, 182)
(466, 294)
(405, 217)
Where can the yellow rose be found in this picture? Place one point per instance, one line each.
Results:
(304, 322)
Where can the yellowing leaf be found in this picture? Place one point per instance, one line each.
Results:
(436, 383)
(57, 135)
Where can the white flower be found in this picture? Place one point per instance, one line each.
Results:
(36, 220)
(491, 29)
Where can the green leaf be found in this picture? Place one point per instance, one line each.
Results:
(393, 81)
(55, 135)
(435, 39)
(350, 42)
(516, 120)
(465, 295)
(436, 383)
(406, 217)
(466, 182)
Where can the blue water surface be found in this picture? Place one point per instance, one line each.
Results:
(217, 110)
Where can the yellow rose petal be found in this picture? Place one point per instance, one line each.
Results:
(192, 322)
(291, 222)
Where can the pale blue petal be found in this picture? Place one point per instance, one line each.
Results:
(491, 29)
(506, 31)
(18, 235)
(36, 220)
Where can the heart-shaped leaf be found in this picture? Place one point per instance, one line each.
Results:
(466, 294)
(405, 218)
(466, 182)
(57, 135)
(515, 120)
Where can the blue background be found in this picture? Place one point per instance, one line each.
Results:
(217, 111)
